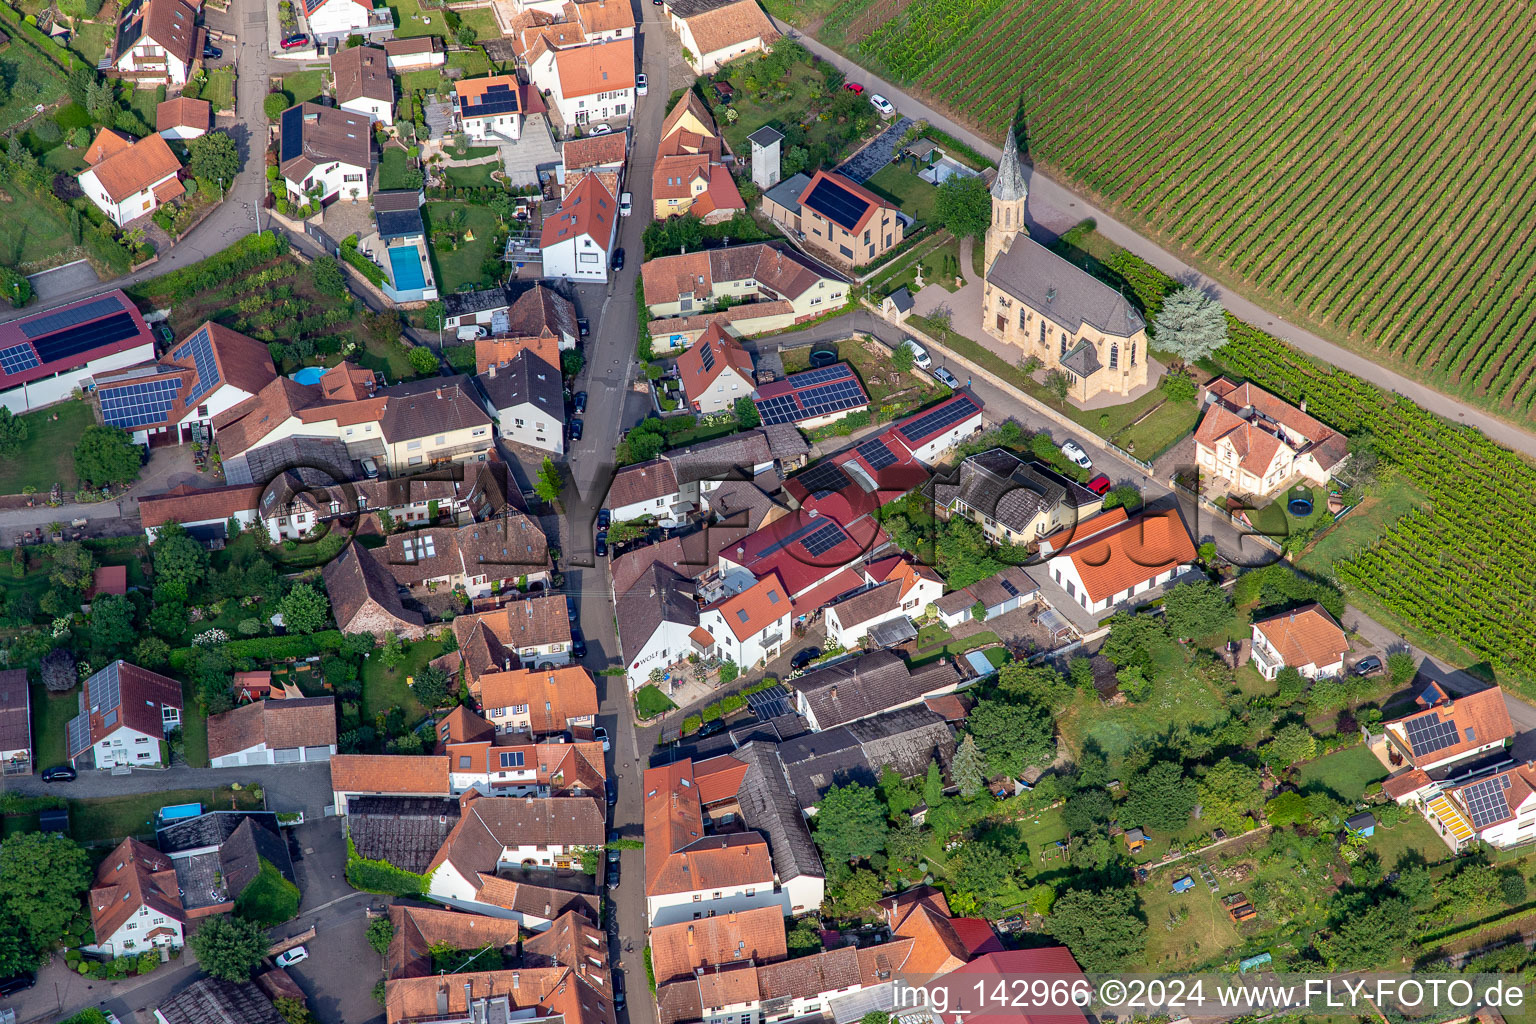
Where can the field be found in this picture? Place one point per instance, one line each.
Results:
(50, 449)
(31, 78)
(1360, 202)
(32, 237)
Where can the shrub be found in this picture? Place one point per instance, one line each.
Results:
(381, 877)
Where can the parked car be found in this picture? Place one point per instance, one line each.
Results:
(599, 129)
(805, 657)
(642, 85)
(626, 204)
(946, 378)
(602, 544)
(295, 42)
(883, 105)
(60, 773)
(617, 262)
(290, 957)
(1074, 453)
(613, 852)
(575, 430)
(470, 332)
(578, 644)
(611, 787)
(211, 52)
(1368, 665)
(579, 403)
(613, 875)
(920, 357)
(583, 328)
(570, 608)
(370, 469)
(854, 87)
(17, 983)
(604, 517)
(1099, 485)
(618, 991)
(711, 729)
(600, 734)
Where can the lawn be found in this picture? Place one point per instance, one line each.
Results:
(1186, 928)
(1412, 836)
(32, 237)
(459, 268)
(52, 433)
(1275, 519)
(473, 176)
(90, 40)
(954, 648)
(411, 22)
(1146, 427)
(50, 719)
(911, 194)
(220, 90)
(939, 256)
(385, 688)
(650, 702)
(1362, 525)
(1347, 773)
(1180, 699)
(194, 727)
(483, 21)
(111, 818)
(392, 167)
(41, 80)
(142, 102)
(891, 394)
(304, 85)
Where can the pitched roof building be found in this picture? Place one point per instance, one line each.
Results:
(1013, 501)
(216, 1001)
(364, 597)
(133, 878)
(1306, 639)
(15, 722)
(717, 33)
(363, 85)
(940, 943)
(183, 118)
(690, 176)
(754, 936)
(856, 688)
(1448, 730)
(125, 711)
(1111, 558)
(325, 149)
(288, 731)
(130, 178)
(1260, 443)
(575, 240)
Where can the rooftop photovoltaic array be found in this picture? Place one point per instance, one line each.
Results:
(500, 98)
(1428, 734)
(822, 539)
(823, 375)
(805, 402)
(79, 729)
(826, 478)
(875, 452)
(837, 204)
(707, 355)
(136, 405)
(106, 689)
(769, 703)
(961, 408)
(50, 322)
(1486, 801)
(17, 358)
(71, 341)
(199, 348)
(293, 133)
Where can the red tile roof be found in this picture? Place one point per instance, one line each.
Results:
(389, 773)
(132, 876)
(134, 168)
(588, 210)
(755, 936)
(1113, 553)
(180, 112)
(725, 352)
(1478, 719)
(1305, 636)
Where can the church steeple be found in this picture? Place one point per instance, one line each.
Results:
(1009, 195)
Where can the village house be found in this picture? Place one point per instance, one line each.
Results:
(129, 178)
(365, 598)
(1306, 639)
(749, 937)
(998, 594)
(527, 398)
(602, 155)
(415, 54)
(539, 702)
(941, 943)
(716, 372)
(15, 723)
(690, 176)
(1112, 558)
(288, 731)
(518, 317)
(1498, 809)
(157, 42)
(331, 22)
(1013, 501)
(577, 238)
(183, 119)
(549, 768)
(748, 628)
(839, 218)
(362, 83)
(715, 33)
(126, 712)
(658, 621)
(1258, 444)
(534, 632)
(46, 362)
(324, 152)
(217, 855)
(867, 685)
(588, 84)
(490, 110)
(134, 902)
(481, 559)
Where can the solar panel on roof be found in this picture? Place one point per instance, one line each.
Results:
(105, 688)
(17, 358)
(781, 409)
(1429, 734)
(73, 340)
(1008, 586)
(200, 348)
(79, 729)
(769, 703)
(292, 133)
(837, 204)
(1486, 801)
(823, 375)
(823, 479)
(707, 355)
(875, 452)
(823, 539)
(497, 99)
(136, 405)
(963, 407)
(47, 323)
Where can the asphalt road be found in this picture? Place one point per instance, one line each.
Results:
(1054, 207)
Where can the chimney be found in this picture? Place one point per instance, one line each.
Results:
(653, 591)
(468, 999)
(834, 691)
(442, 999)
(1303, 405)
(733, 917)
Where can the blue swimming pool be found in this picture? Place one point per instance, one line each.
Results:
(310, 375)
(405, 262)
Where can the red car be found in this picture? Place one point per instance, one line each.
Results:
(854, 87)
(1099, 485)
(294, 42)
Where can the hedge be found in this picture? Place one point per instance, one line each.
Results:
(214, 271)
(363, 265)
(381, 877)
(726, 705)
(269, 648)
(37, 37)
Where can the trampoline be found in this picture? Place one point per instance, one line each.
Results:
(1300, 505)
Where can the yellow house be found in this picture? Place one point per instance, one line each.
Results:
(689, 177)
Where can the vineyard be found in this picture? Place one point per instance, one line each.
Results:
(1360, 165)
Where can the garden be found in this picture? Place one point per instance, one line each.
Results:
(52, 434)
(466, 245)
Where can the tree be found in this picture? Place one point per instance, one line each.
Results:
(293, 1011)
(169, 620)
(73, 567)
(571, 362)
(1197, 609)
(106, 455)
(1035, 684)
(213, 158)
(381, 932)
(16, 957)
(1228, 793)
(979, 611)
(229, 947)
(111, 623)
(1087, 812)
(305, 609)
(1290, 744)
(151, 652)
(672, 236)
(213, 676)
(328, 276)
(275, 103)
(393, 651)
(101, 101)
(1179, 387)
(1191, 325)
(1133, 638)
(986, 871)
(1160, 799)
(432, 686)
(43, 876)
(963, 206)
(422, 359)
(855, 894)
(1513, 888)
(968, 768)
(1370, 933)
(1124, 496)
(549, 484)
(177, 558)
(728, 672)
(58, 670)
(1057, 384)
(13, 433)
(1012, 736)
(1104, 928)
(746, 413)
(850, 823)
(1401, 667)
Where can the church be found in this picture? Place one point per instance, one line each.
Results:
(1040, 305)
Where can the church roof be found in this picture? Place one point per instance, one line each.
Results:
(1009, 185)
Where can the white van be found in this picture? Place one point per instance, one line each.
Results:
(471, 332)
(920, 357)
(626, 204)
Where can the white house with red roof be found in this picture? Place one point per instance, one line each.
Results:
(158, 42)
(490, 109)
(331, 21)
(135, 902)
(1306, 639)
(1259, 444)
(587, 84)
(968, 991)
(715, 372)
(749, 627)
(1111, 558)
(125, 711)
(809, 554)
(1499, 808)
(46, 356)
(577, 238)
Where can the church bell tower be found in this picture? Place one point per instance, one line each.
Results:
(1009, 193)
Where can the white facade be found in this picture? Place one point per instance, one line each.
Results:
(374, 110)
(762, 645)
(1269, 662)
(337, 19)
(797, 1007)
(580, 107)
(662, 508)
(494, 128)
(678, 907)
(709, 63)
(130, 747)
(416, 61)
(930, 451)
(262, 754)
(530, 425)
(848, 634)
(120, 212)
(450, 888)
(1064, 571)
(335, 179)
(668, 645)
(146, 56)
(132, 937)
(722, 393)
(579, 258)
(48, 390)
(246, 517)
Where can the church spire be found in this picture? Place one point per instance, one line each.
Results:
(1009, 186)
